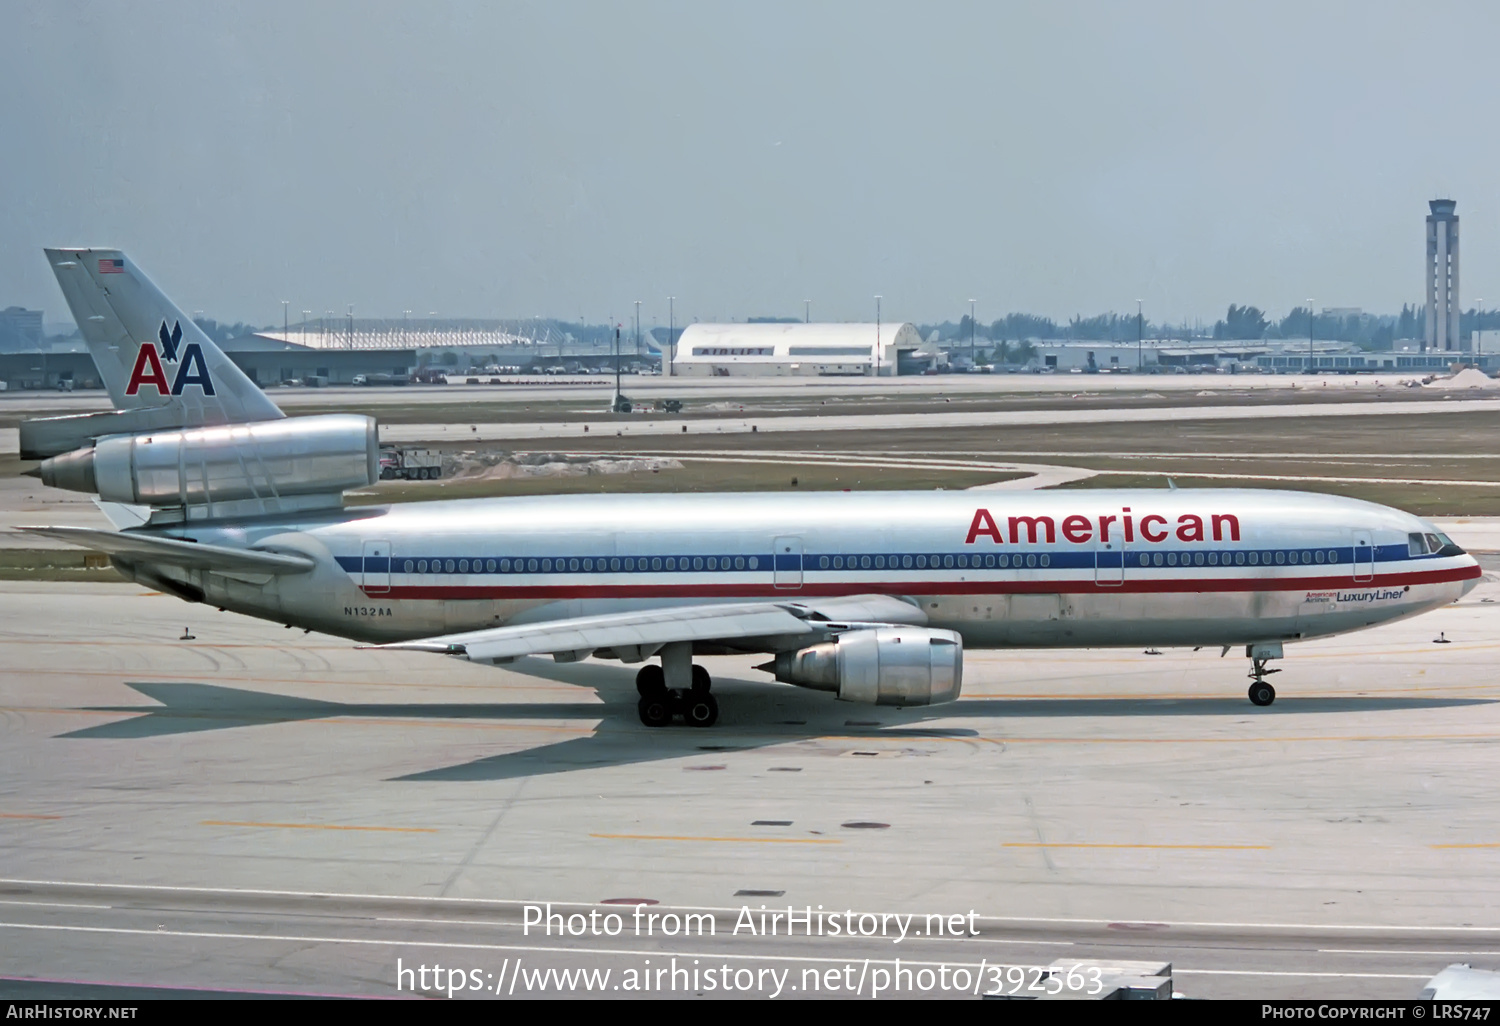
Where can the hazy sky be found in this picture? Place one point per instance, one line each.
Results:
(565, 159)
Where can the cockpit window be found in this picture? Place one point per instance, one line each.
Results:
(1431, 544)
(1449, 547)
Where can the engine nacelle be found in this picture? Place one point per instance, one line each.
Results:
(880, 666)
(190, 467)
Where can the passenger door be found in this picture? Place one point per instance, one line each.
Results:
(787, 563)
(1109, 564)
(376, 576)
(1364, 556)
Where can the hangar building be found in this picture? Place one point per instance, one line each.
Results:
(795, 349)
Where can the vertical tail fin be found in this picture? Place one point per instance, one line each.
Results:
(149, 354)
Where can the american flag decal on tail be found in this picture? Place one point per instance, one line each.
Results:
(111, 266)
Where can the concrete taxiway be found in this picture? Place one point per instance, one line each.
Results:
(249, 808)
(643, 428)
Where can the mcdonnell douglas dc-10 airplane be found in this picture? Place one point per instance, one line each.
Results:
(869, 596)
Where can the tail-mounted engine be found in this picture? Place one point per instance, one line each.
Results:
(261, 462)
(879, 666)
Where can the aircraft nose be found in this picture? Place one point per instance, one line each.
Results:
(1470, 584)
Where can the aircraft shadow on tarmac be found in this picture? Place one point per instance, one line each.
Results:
(753, 715)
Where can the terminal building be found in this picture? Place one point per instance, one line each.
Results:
(20, 329)
(796, 350)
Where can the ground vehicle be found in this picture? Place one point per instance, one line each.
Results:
(410, 464)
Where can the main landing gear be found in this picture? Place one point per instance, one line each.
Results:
(1261, 692)
(660, 705)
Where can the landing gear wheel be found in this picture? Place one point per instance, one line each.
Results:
(700, 709)
(650, 682)
(1262, 693)
(701, 680)
(655, 710)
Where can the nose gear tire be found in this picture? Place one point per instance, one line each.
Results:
(1262, 693)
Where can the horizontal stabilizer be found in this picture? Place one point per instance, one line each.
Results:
(645, 629)
(46, 437)
(145, 548)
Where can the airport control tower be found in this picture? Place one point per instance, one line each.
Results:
(1442, 276)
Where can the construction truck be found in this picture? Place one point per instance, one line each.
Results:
(410, 464)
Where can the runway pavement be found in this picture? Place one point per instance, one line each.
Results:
(255, 809)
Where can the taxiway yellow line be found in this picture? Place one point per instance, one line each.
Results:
(735, 840)
(25, 815)
(318, 826)
(1151, 847)
(1488, 844)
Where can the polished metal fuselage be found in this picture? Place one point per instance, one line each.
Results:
(1056, 568)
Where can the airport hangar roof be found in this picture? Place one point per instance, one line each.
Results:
(718, 343)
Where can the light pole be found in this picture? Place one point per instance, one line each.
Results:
(1311, 362)
(405, 326)
(349, 336)
(971, 334)
(877, 336)
(637, 331)
(671, 332)
(1140, 334)
(807, 311)
(1478, 331)
(306, 315)
(284, 326)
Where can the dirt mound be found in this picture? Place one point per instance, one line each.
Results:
(548, 464)
(1467, 378)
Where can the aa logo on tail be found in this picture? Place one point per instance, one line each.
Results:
(148, 370)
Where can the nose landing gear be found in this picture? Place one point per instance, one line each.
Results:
(660, 705)
(1261, 692)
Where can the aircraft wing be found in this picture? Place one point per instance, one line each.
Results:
(132, 547)
(641, 632)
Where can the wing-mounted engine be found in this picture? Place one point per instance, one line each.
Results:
(879, 666)
(268, 466)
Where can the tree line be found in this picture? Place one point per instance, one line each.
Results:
(1239, 323)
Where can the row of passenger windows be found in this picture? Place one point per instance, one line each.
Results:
(934, 561)
(1277, 557)
(629, 564)
(989, 561)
